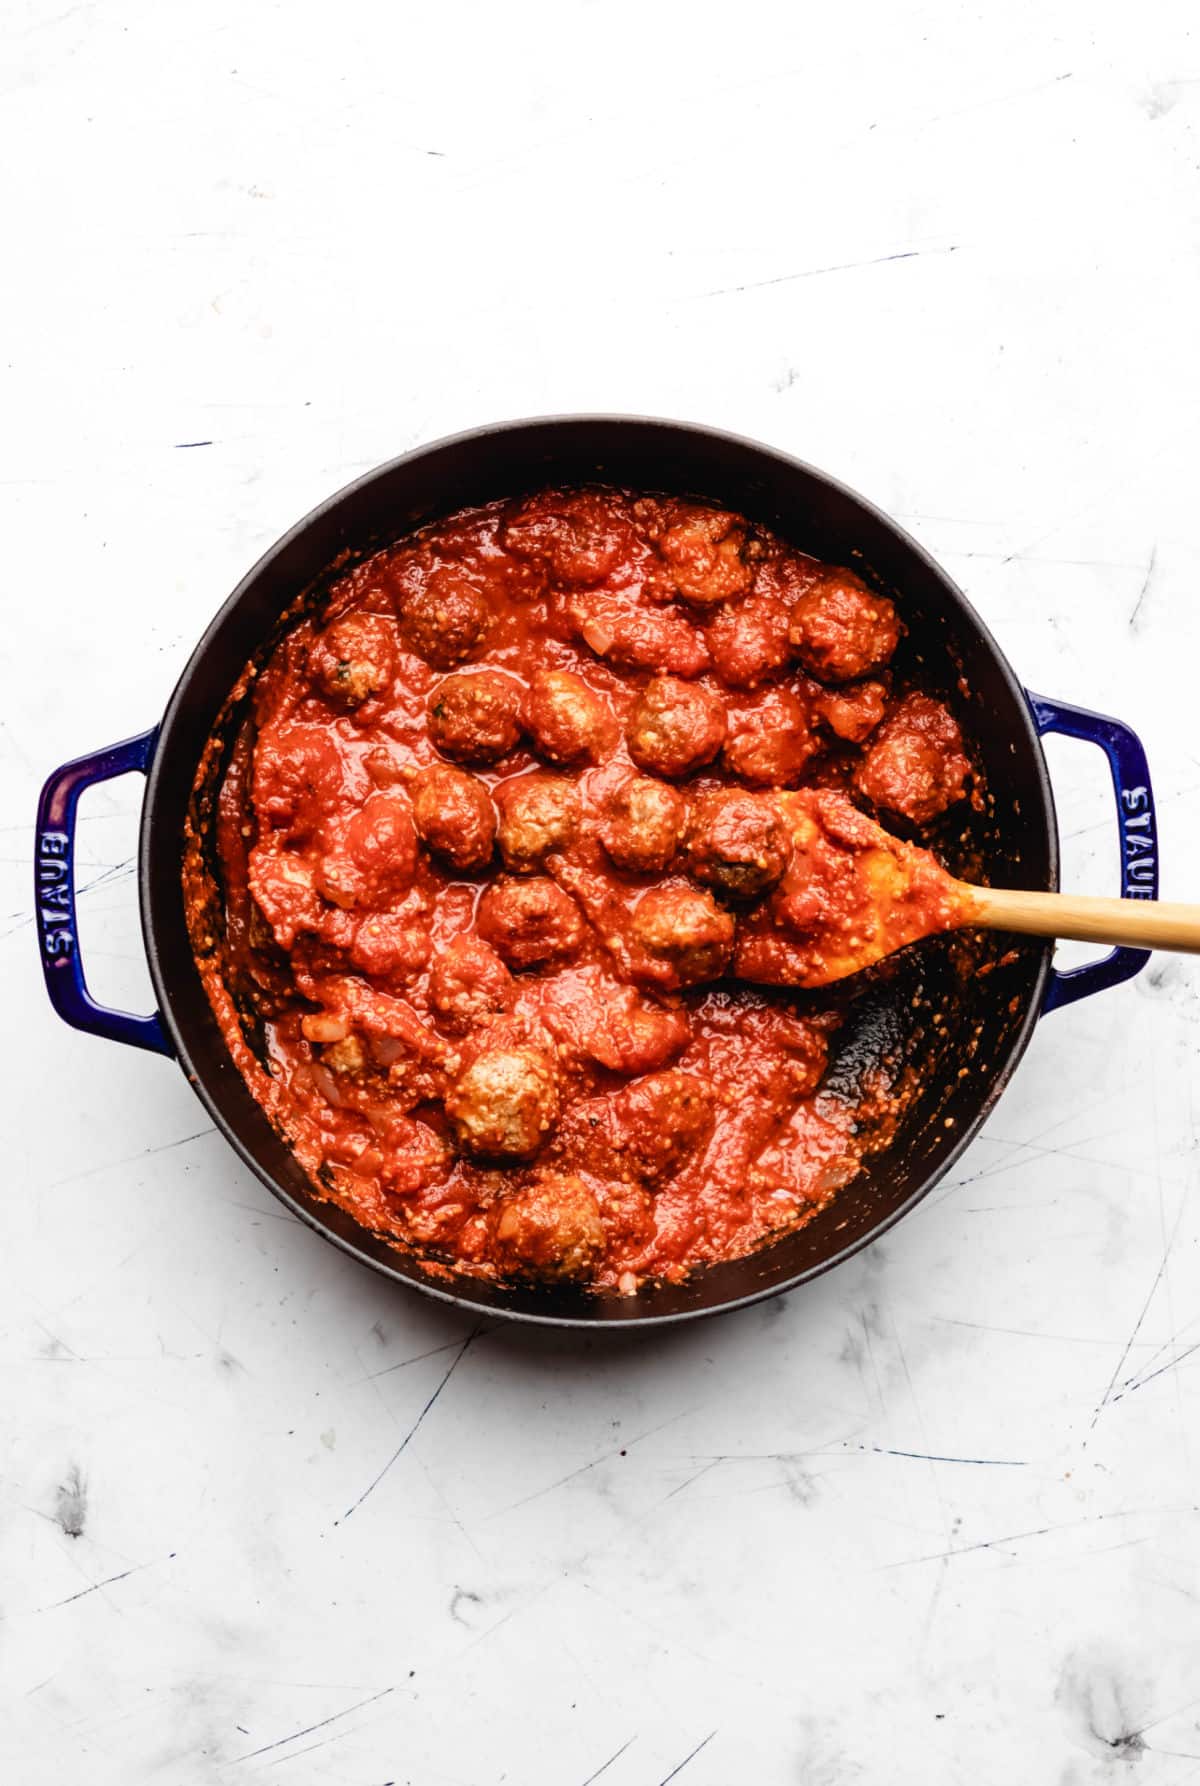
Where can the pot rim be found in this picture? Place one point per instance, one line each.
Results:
(461, 1298)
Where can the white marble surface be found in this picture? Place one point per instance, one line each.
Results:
(934, 1518)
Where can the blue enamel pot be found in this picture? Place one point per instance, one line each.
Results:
(926, 1014)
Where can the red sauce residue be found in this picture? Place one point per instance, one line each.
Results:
(500, 844)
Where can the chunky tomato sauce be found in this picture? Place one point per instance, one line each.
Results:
(529, 830)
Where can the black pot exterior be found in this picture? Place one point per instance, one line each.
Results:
(927, 1012)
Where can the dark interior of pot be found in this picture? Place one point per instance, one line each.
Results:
(949, 1004)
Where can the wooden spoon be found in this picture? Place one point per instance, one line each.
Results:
(853, 893)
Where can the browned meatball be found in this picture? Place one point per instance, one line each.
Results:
(749, 642)
(474, 716)
(702, 550)
(567, 720)
(596, 1017)
(660, 1121)
(641, 824)
(577, 535)
(770, 738)
(442, 617)
(916, 765)
(529, 922)
(625, 627)
(281, 882)
(300, 779)
(853, 712)
(675, 727)
(389, 944)
(370, 855)
(454, 816)
(737, 842)
(684, 932)
(538, 814)
(841, 630)
(504, 1103)
(550, 1229)
(353, 659)
(468, 984)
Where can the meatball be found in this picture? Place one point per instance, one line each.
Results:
(702, 549)
(660, 1122)
(505, 1102)
(641, 824)
(853, 712)
(468, 984)
(633, 1036)
(393, 943)
(841, 630)
(299, 779)
(281, 882)
(770, 739)
(749, 642)
(567, 721)
(578, 537)
(737, 842)
(370, 856)
(626, 628)
(454, 816)
(596, 1017)
(474, 716)
(538, 814)
(550, 1229)
(353, 659)
(442, 616)
(675, 727)
(684, 932)
(916, 766)
(529, 922)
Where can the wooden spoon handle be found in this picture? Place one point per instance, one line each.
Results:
(1146, 924)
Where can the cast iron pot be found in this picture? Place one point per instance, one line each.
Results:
(926, 1012)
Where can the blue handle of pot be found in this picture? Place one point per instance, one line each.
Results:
(54, 894)
(1138, 833)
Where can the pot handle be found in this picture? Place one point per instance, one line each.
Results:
(54, 895)
(1138, 832)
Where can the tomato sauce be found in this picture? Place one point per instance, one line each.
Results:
(518, 860)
